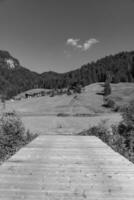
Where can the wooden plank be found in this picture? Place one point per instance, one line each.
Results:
(57, 167)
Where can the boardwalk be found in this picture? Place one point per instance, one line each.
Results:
(55, 167)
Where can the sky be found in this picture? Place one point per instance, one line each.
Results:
(63, 35)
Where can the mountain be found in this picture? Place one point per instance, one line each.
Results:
(120, 66)
(14, 78)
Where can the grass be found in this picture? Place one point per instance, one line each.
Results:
(43, 113)
(89, 102)
(46, 124)
(122, 94)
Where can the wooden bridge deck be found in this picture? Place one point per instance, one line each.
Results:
(56, 167)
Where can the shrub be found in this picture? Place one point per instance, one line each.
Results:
(11, 125)
(52, 93)
(69, 92)
(107, 89)
(101, 131)
(128, 115)
(77, 89)
(110, 103)
(121, 136)
(118, 142)
(12, 135)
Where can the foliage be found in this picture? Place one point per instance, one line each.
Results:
(19, 79)
(75, 87)
(110, 103)
(107, 86)
(100, 131)
(107, 89)
(128, 115)
(69, 92)
(120, 137)
(12, 125)
(12, 135)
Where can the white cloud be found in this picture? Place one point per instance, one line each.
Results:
(79, 46)
(72, 42)
(85, 46)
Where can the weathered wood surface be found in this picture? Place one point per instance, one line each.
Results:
(59, 167)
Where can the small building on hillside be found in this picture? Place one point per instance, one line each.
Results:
(31, 93)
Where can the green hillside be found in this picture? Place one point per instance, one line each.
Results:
(15, 79)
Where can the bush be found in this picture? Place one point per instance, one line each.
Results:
(52, 93)
(69, 92)
(11, 125)
(77, 89)
(100, 131)
(121, 136)
(107, 89)
(128, 115)
(110, 103)
(12, 135)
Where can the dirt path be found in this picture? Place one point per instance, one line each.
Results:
(55, 167)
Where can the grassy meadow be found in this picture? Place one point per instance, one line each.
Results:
(122, 94)
(89, 102)
(70, 114)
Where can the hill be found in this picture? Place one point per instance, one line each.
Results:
(88, 103)
(15, 79)
(122, 94)
(72, 113)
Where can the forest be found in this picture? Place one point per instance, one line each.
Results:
(16, 79)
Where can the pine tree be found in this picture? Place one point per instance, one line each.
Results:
(107, 86)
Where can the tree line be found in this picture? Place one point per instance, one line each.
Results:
(14, 81)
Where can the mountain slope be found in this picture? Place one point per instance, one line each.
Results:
(15, 79)
(120, 66)
(89, 102)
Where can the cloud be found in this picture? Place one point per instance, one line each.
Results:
(72, 42)
(85, 46)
